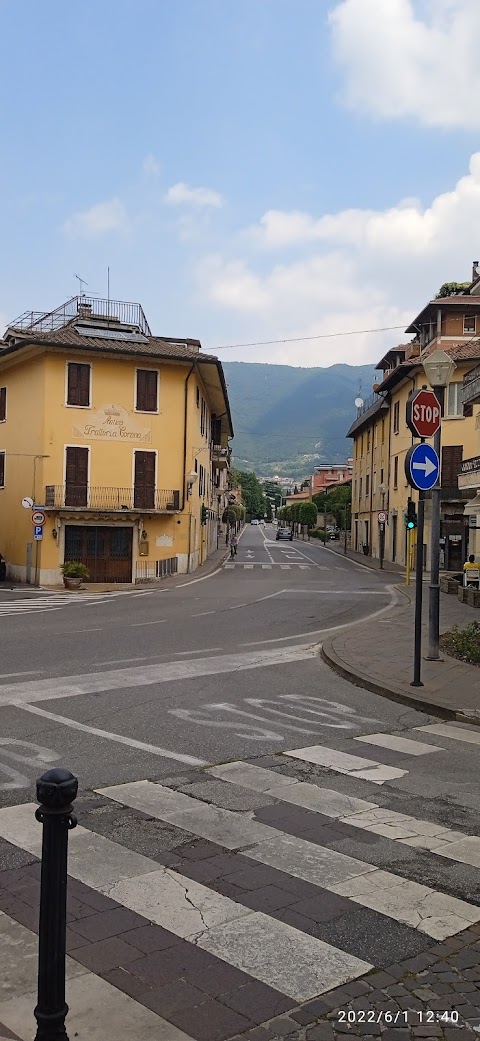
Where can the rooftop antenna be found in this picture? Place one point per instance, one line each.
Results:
(81, 282)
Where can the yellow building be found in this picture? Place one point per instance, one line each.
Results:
(119, 437)
(382, 438)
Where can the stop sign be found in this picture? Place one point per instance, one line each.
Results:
(423, 413)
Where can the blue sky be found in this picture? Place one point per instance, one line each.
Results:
(252, 171)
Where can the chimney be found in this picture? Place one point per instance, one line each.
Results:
(475, 272)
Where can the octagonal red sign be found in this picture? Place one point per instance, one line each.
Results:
(423, 413)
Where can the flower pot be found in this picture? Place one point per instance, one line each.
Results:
(72, 583)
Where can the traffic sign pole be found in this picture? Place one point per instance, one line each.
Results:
(417, 654)
(434, 591)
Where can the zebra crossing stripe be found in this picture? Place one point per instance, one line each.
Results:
(344, 763)
(431, 912)
(471, 736)
(399, 744)
(279, 955)
(369, 816)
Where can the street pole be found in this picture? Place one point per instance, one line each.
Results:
(382, 545)
(434, 590)
(417, 655)
(325, 520)
(345, 542)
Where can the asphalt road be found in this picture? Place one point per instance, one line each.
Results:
(138, 685)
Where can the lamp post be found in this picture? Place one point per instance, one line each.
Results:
(439, 368)
(383, 490)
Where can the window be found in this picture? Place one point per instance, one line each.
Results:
(368, 440)
(203, 417)
(3, 404)
(452, 456)
(147, 391)
(454, 399)
(361, 445)
(78, 384)
(381, 476)
(375, 435)
(396, 417)
(76, 476)
(198, 398)
(367, 486)
(2, 469)
(144, 480)
(469, 323)
(355, 490)
(374, 489)
(360, 493)
(395, 472)
(383, 431)
(201, 483)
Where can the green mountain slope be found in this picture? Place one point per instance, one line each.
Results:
(287, 418)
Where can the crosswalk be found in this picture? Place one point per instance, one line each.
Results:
(54, 602)
(249, 566)
(263, 895)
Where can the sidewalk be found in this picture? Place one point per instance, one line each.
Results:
(379, 656)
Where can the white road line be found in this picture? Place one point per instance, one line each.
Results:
(166, 672)
(280, 956)
(201, 614)
(399, 744)
(419, 906)
(471, 736)
(73, 724)
(344, 763)
(156, 621)
(201, 650)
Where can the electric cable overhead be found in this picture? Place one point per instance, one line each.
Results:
(303, 339)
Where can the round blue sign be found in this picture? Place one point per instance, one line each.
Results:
(422, 467)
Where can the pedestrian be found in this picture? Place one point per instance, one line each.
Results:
(233, 545)
(470, 565)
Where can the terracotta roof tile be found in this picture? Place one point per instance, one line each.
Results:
(155, 346)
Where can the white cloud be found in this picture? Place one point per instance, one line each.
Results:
(399, 64)
(183, 194)
(355, 269)
(98, 220)
(151, 166)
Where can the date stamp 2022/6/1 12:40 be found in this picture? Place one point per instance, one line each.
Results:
(399, 1017)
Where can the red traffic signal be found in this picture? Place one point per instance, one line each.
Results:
(423, 413)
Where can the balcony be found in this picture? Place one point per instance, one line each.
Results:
(471, 388)
(111, 500)
(221, 456)
(469, 477)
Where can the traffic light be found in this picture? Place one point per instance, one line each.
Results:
(411, 515)
(203, 514)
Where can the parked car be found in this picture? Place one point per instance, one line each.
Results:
(284, 533)
(254, 521)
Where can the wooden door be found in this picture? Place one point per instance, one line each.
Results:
(76, 477)
(144, 485)
(105, 551)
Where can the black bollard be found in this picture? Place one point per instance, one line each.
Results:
(56, 790)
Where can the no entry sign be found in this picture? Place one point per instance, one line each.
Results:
(423, 413)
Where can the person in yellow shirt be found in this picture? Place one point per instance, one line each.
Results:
(468, 566)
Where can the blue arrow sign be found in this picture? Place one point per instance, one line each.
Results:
(422, 467)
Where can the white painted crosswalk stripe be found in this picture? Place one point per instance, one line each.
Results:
(431, 912)
(344, 763)
(398, 744)
(471, 736)
(368, 816)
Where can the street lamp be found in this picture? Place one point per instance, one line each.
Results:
(439, 368)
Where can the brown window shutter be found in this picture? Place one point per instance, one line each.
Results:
(76, 477)
(78, 392)
(3, 403)
(2, 469)
(452, 456)
(144, 490)
(147, 390)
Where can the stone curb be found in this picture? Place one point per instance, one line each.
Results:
(393, 691)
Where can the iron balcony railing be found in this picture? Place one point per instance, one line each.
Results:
(221, 454)
(82, 497)
(471, 389)
(87, 307)
(471, 466)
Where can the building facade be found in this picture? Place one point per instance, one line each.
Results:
(381, 437)
(119, 437)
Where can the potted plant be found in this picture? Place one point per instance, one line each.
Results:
(74, 573)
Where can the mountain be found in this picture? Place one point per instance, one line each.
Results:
(287, 418)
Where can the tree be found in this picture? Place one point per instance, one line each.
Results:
(308, 514)
(272, 490)
(335, 502)
(305, 484)
(451, 289)
(252, 493)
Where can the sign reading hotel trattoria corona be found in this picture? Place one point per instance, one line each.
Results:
(113, 423)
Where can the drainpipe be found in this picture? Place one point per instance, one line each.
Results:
(185, 434)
